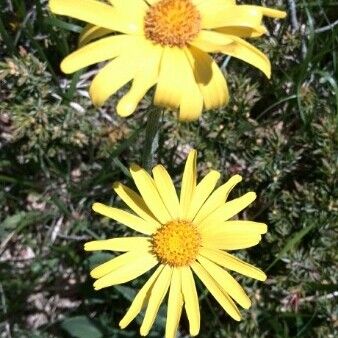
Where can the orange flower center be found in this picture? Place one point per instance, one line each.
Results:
(172, 22)
(176, 243)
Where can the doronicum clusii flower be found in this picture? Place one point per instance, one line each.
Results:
(164, 43)
(181, 237)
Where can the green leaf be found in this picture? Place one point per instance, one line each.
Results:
(81, 327)
(291, 243)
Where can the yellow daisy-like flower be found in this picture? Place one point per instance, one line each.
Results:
(164, 43)
(185, 235)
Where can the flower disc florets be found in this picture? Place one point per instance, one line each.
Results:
(172, 22)
(176, 243)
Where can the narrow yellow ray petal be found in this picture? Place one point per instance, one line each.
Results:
(91, 32)
(140, 299)
(117, 73)
(246, 52)
(222, 298)
(119, 244)
(167, 191)
(135, 16)
(209, 78)
(146, 76)
(209, 41)
(167, 92)
(157, 295)
(98, 14)
(177, 86)
(202, 192)
(191, 102)
(114, 263)
(243, 16)
(244, 32)
(131, 221)
(188, 183)
(227, 283)
(228, 209)
(175, 303)
(125, 273)
(273, 13)
(98, 51)
(135, 203)
(110, 79)
(233, 263)
(191, 301)
(235, 227)
(146, 186)
(246, 226)
(230, 242)
(217, 198)
(136, 5)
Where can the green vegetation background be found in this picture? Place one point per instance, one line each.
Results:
(58, 154)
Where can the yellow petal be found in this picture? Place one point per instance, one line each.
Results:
(191, 301)
(227, 283)
(222, 16)
(111, 78)
(157, 295)
(135, 203)
(98, 51)
(146, 186)
(230, 242)
(233, 263)
(123, 274)
(98, 14)
(244, 32)
(146, 76)
(136, 5)
(209, 78)
(175, 303)
(113, 264)
(273, 13)
(167, 92)
(91, 32)
(119, 244)
(223, 299)
(140, 299)
(217, 198)
(131, 221)
(235, 227)
(188, 183)
(228, 210)
(117, 73)
(167, 191)
(202, 192)
(177, 86)
(246, 52)
(191, 103)
(209, 41)
(134, 17)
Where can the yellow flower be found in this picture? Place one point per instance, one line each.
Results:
(183, 235)
(164, 43)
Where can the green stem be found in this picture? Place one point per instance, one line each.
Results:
(151, 138)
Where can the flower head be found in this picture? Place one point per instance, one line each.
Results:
(164, 43)
(181, 237)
